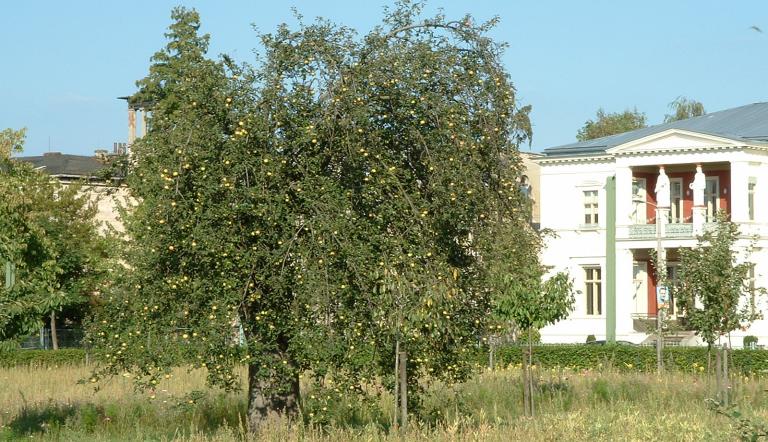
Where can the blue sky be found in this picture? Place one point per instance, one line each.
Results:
(65, 62)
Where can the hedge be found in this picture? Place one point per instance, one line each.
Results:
(627, 357)
(578, 357)
(42, 358)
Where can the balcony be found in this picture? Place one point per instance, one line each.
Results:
(645, 232)
(672, 230)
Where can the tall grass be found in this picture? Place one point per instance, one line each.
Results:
(49, 403)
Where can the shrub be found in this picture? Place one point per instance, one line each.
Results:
(42, 358)
(591, 338)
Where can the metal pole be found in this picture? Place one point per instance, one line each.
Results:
(659, 276)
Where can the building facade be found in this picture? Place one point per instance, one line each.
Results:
(530, 182)
(599, 198)
(85, 170)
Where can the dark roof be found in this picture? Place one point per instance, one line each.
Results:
(746, 123)
(59, 164)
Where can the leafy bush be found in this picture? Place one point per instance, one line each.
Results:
(631, 358)
(591, 338)
(42, 358)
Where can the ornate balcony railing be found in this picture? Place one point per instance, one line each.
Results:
(671, 231)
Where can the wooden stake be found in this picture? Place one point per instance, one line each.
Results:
(719, 373)
(726, 383)
(530, 372)
(490, 353)
(526, 391)
(403, 393)
(397, 383)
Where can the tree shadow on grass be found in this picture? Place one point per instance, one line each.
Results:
(40, 419)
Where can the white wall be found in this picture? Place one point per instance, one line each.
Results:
(575, 245)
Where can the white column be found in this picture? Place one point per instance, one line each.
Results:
(131, 125)
(740, 172)
(623, 196)
(697, 192)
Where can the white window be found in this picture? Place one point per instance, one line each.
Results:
(640, 277)
(751, 197)
(590, 207)
(593, 290)
(672, 280)
(676, 200)
(712, 197)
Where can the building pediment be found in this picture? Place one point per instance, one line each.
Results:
(673, 140)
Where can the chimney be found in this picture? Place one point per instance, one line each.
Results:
(131, 125)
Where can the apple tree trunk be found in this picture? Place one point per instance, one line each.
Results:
(273, 396)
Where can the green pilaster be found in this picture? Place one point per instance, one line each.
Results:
(610, 259)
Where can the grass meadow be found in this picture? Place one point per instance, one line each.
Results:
(49, 404)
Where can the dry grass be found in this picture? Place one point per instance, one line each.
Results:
(39, 386)
(590, 406)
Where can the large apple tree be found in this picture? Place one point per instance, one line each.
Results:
(319, 210)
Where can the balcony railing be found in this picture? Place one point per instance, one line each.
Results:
(671, 230)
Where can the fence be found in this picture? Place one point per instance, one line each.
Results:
(67, 337)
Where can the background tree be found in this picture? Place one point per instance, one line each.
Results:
(682, 108)
(11, 141)
(48, 234)
(606, 124)
(712, 283)
(524, 297)
(334, 202)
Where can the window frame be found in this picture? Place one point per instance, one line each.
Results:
(590, 207)
(593, 282)
(640, 200)
(710, 216)
(678, 205)
(673, 277)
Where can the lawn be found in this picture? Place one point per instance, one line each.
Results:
(48, 403)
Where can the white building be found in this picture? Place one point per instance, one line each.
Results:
(84, 170)
(598, 197)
